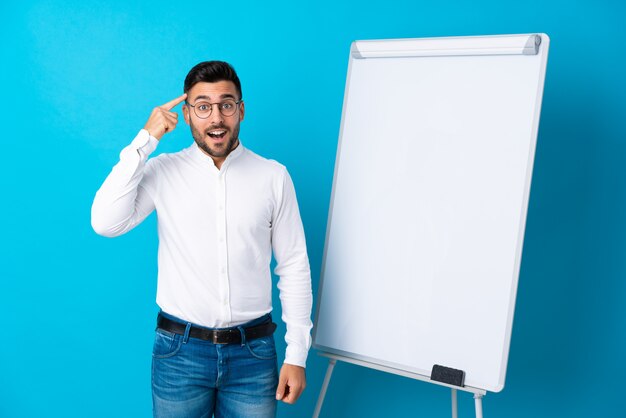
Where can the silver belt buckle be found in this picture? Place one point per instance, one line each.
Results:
(215, 339)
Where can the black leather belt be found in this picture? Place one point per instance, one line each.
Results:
(217, 336)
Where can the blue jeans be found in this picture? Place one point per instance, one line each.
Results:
(196, 378)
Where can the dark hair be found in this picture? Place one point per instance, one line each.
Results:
(212, 72)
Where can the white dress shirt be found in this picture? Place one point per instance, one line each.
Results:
(217, 229)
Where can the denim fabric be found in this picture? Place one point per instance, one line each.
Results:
(196, 378)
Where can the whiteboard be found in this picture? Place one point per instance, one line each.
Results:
(429, 200)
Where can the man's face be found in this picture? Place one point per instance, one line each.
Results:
(216, 135)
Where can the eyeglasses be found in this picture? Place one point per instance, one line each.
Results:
(204, 109)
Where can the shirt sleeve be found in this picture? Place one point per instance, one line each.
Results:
(122, 203)
(292, 266)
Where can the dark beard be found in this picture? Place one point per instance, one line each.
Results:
(232, 143)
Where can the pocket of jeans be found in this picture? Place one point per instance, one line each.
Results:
(166, 344)
(262, 348)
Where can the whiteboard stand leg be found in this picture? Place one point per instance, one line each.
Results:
(455, 410)
(320, 399)
(478, 400)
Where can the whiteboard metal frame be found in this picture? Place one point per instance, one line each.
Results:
(400, 372)
(332, 361)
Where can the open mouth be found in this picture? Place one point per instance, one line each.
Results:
(216, 133)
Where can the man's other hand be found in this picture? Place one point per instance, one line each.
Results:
(162, 119)
(291, 383)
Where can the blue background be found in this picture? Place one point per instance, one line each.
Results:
(79, 81)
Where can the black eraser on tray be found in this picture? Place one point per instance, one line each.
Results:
(448, 375)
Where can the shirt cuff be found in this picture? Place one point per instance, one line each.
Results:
(296, 356)
(144, 144)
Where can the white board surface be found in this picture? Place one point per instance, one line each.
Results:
(429, 201)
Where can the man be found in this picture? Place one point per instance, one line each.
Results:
(221, 211)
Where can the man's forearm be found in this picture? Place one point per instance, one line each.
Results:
(120, 204)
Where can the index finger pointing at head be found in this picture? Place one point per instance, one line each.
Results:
(171, 104)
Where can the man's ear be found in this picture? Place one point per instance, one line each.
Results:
(186, 113)
(242, 111)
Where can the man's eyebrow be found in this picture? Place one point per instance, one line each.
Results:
(205, 97)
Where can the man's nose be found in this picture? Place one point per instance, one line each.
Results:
(215, 116)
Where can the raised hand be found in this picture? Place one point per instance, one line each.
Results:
(162, 119)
